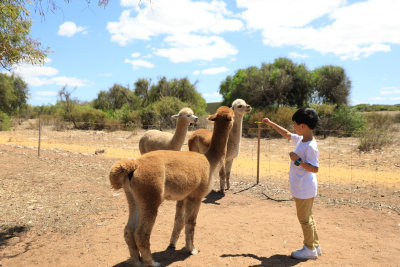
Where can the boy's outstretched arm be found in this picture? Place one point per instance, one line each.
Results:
(282, 131)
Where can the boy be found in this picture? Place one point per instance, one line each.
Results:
(302, 176)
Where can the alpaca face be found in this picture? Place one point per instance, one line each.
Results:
(239, 106)
(187, 115)
(223, 113)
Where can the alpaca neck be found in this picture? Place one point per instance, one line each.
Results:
(217, 151)
(180, 134)
(236, 132)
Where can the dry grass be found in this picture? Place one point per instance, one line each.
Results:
(68, 185)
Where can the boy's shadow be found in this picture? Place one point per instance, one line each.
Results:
(165, 257)
(274, 260)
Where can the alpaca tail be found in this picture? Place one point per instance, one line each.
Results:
(122, 170)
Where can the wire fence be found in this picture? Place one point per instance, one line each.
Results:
(265, 160)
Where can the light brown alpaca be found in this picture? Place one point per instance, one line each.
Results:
(200, 140)
(157, 140)
(183, 176)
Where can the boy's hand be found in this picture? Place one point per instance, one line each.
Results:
(266, 121)
(293, 156)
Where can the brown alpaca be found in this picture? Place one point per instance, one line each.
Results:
(200, 140)
(183, 176)
(157, 140)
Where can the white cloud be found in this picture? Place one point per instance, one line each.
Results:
(136, 54)
(186, 48)
(297, 55)
(166, 17)
(199, 19)
(37, 75)
(211, 71)
(351, 31)
(46, 93)
(214, 95)
(69, 29)
(139, 63)
(392, 90)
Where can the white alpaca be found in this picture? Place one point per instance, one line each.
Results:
(183, 176)
(157, 140)
(199, 141)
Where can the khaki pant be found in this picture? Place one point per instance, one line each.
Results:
(306, 219)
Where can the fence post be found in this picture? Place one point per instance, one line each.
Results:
(258, 146)
(40, 128)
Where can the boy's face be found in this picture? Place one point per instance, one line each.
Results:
(299, 128)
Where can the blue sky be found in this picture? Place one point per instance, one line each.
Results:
(94, 47)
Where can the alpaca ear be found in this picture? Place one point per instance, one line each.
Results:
(212, 117)
(176, 116)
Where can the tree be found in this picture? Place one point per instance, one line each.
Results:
(331, 85)
(16, 44)
(67, 104)
(142, 90)
(116, 97)
(280, 83)
(13, 93)
(182, 89)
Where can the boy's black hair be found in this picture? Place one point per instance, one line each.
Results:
(308, 116)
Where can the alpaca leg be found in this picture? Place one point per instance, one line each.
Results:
(192, 206)
(228, 168)
(142, 234)
(222, 179)
(178, 224)
(129, 232)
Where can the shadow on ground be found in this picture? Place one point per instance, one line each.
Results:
(213, 197)
(11, 232)
(165, 257)
(274, 260)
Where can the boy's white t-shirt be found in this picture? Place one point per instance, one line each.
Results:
(303, 184)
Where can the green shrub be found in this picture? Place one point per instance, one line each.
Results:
(374, 139)
(281, 116)
(86, 117)
(149, 117)
(166, 107)
(5, 122)
(378, 133)
(131, 118)
(397, 118)
(347, 121)
(326, 123)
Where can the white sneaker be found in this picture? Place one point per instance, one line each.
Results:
(319, 250)
(305, 254)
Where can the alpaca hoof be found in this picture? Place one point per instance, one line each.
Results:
(135, 263)
(153, 264)
(171, 247)
(194, 252)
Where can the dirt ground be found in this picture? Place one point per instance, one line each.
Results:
(59, 209)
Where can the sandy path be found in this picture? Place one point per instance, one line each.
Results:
(237, 230)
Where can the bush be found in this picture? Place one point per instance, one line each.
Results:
(5, 122)
(281, 116)
(326, 122)
(131, 118)
(374, 139)
(378, 132)
(166, 107)
(347, 121)
(86, 117)
(149, 117)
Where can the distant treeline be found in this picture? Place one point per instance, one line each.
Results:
(275, 89)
